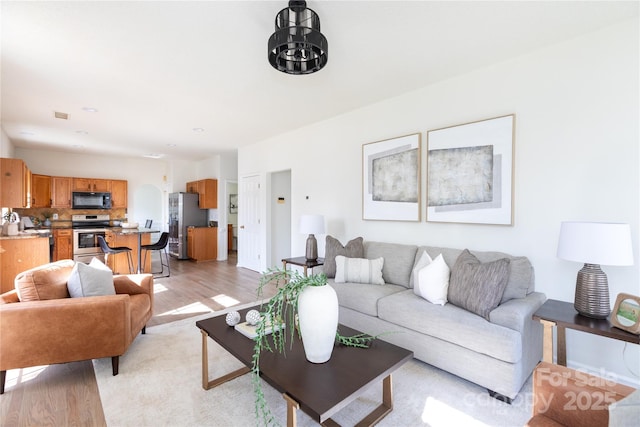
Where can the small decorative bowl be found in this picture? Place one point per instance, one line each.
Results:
(129, 225)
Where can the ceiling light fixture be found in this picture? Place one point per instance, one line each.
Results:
(297, 46)
(198, 129)
(90, 109)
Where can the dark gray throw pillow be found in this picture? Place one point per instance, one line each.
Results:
(353, 249)
(475, 286)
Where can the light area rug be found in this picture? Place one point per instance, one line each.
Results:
(160, 384)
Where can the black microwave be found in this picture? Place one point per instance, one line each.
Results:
(87, 200)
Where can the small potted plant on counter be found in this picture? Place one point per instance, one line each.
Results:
(47, 218)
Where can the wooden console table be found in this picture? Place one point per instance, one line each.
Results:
(302, 262)
(562, 315)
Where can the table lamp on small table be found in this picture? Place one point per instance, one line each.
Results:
(594, 243)
(311, 224)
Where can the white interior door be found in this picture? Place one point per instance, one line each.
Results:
(249, 223)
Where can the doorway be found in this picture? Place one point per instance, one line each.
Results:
(279, 234)
(232, 216)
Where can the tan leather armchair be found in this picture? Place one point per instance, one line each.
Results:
(566, 397)
(60, 329)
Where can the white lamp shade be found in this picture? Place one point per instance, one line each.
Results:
(312, 224)
(595, 243)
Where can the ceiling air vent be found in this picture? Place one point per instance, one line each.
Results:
(59, 115)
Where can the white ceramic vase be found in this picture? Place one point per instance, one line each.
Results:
(318, 320)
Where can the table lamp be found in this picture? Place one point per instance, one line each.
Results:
(311, 224)
(594, 243)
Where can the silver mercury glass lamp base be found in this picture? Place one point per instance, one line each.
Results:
(592, 292)
(312, 248)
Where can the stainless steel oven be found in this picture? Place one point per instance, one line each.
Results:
(86, 229)
(85, 244)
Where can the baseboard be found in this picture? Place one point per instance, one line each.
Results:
(603, 373)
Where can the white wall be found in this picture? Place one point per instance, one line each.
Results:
(576, 158)
(6, 146)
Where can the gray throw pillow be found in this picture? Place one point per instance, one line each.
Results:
(475, 286)
(89, 281)
(353, 249)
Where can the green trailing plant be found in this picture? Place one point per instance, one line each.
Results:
(282, 309)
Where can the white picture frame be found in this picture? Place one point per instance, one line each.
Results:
(470, 171)
(391, 179)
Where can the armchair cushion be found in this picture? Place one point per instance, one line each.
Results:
(44, 282)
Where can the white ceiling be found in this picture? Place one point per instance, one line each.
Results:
(155, 70)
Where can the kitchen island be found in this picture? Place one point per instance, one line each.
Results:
(132, 238)
(20, 253)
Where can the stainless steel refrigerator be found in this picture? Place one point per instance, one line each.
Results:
(183, 212)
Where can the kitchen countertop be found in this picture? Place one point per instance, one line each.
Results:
(28, 235)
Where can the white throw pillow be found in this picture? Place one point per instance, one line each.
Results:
(89, 280)
(433, 281)
(359, 270)
(423, 261)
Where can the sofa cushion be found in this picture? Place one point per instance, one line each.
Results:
(521, 279)
(90, 281)
(521, 275)
(433, 281)
(476, 286)
(451, 324)
(363, 297)
(353, 249)
(44, 282)
(359, 270)
(398, 261)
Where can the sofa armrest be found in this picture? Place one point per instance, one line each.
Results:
(133, 284)
(517, 313)
(37, 333)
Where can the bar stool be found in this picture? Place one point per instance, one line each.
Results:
(160, 245)
(114, 251)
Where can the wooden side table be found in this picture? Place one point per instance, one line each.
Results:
(302, 262)
(562, 315)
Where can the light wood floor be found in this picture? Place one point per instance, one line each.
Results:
(67, 394)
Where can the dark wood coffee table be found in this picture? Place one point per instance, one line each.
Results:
(320, 390)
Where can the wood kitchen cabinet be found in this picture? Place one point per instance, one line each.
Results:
(40, 191)
(192, 187)
(202, 243)
(15, 183)
(118, 263)
(62, 244)
(18, 255)
(118, 193)
(207, 190)
(92, 184)
(61, 191)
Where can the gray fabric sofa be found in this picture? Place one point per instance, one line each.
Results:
(499, 354)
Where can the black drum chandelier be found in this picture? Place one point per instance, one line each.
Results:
(297, 46)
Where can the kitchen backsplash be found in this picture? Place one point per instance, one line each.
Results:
(64, 215)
